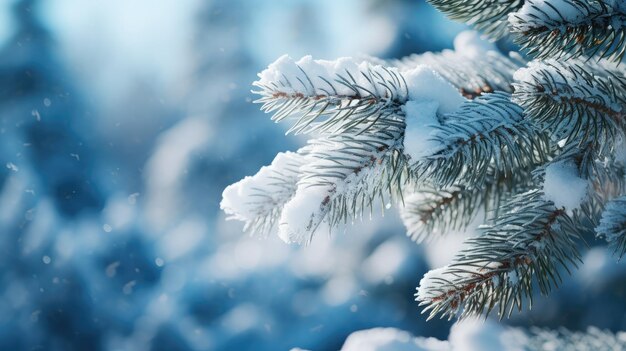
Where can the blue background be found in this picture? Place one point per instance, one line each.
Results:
(120, 124)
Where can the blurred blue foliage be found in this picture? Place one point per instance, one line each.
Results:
(112, 238)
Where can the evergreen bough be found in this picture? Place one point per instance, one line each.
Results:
(447, 134)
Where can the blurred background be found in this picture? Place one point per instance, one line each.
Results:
(121, 122)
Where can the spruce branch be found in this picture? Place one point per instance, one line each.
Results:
(473, 76)
(450, 134)
(487, 133)
(531, 240)
(331, 97)
(612, 226)
(607, 180)
(571, 28)
(344, 176)
(572, 101)
(488, 16)
(258, 200)
(429, 211)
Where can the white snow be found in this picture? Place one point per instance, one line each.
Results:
(425, 84)
(426, 289)
(421, 120)
(303, 213)
(288, 76)
(391, 339)
(239, 200)
(467, 335)
(322, 182)
(563, 186)
(480, 335)
(431, 284)
(526, 74)
(291, 78)
(469, 43)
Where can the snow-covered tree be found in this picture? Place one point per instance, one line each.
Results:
(529, 143)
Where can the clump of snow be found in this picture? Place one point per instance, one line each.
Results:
(239, 200)
(318, 77)
(429, 284)
(563, 186)
(469, 43)
(302, 214)
(425, 84)
(391, 339)
(467, 335)
(311, 77)
(526, 74)
(421, 120)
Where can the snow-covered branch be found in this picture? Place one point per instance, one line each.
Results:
(474, 66)
(489, 16)
(573, 100)
(429, 211)
(489, 132)
(258, 200)
(571, 28)
(330, 96)
(532, 239)
(344, 176)
(613, 225)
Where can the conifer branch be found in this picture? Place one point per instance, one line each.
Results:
(330, 97)
(571, 28)
(537, 148)
(488, 16)
(607, 181)
(531, 240)
(487, 133)
(612, 226)
(258, 200)
(344, 176)
(430, 211)
(473, 76)
(571, 101)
